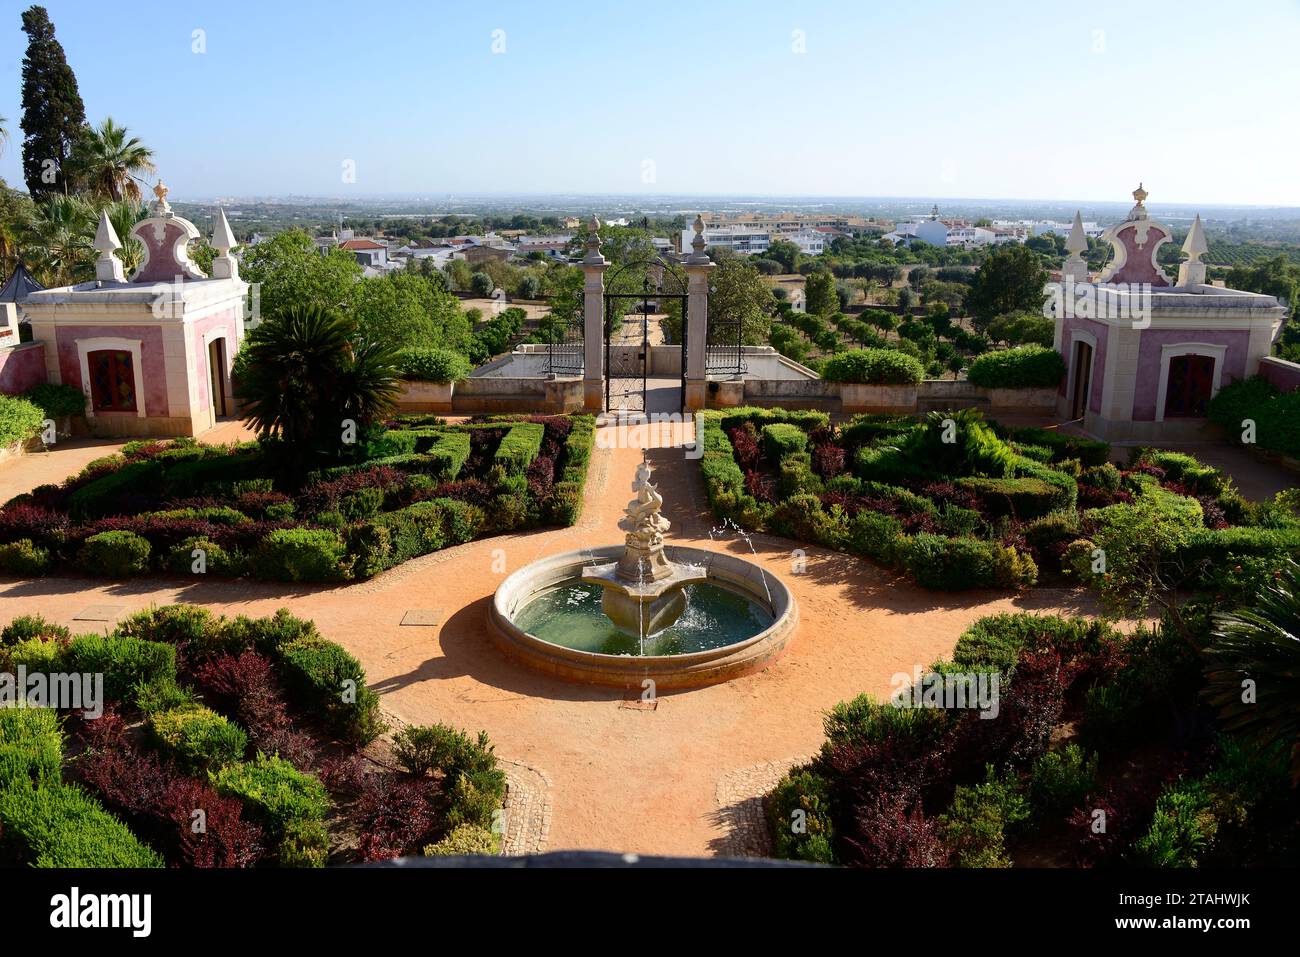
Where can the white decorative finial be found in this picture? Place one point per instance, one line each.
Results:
(1076, 245)
(223, 237)
(1192, 271)
(108, 268)
(1195, 245)
(224, 266)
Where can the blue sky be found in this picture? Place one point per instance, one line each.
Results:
(1025, 100)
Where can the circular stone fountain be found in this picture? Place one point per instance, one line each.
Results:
(621, 614)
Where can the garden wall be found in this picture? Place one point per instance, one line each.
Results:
(1283, 374)
(851, 397)
(496, 394)
(22, 367)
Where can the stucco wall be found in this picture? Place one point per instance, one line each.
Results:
(1101, 332)
(1153, 340)
(224, 320)
(154, 372)
(22, 367)
(1285, 375)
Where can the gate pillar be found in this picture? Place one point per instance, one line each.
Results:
(593, 321)
(698, 268)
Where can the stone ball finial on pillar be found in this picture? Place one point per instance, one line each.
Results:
(698, 255)
(593, 256)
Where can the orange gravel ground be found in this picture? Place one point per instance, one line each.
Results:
(623, 779)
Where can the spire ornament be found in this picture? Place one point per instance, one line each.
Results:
(1076, 245)
(108, 268)
(1191, 272)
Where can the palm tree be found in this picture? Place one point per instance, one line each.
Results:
(301, 374)
(124, 214)
(1260, 645)
(108, 163)
(57, 240)
(4, 133)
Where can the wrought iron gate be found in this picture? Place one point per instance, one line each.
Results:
(724, 354)
(563, 334)
(627, 331)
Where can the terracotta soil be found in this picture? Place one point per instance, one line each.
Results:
(627, 779)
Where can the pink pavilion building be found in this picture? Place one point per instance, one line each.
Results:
(1145, 353)
(152, 352)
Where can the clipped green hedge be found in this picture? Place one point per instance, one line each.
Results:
(301, 555)
(1090, 452)
(326, 678)
(433, 365)
(63, 826)
(781, 439)
(99, 498)
(955, 564)
(1024, 367)
(447, 453)
(24, 559)
(20, 420)
(289, 803)
(116, 554)
(567, 499)
(57, 401)
(873, 367)
(31, 745)
(125, 662)
(806, 419)
(1018, 497)
(197, 737)
(994, 642)
(49, 823)
(1276, 415)
(519, 447)
(463, 840)
(799, 817)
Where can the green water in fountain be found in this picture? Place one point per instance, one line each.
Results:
(570, 615)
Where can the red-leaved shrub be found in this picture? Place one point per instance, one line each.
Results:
(394, 815)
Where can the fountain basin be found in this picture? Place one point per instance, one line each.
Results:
(685, 670)
(644, 607)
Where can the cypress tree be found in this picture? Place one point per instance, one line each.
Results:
(53, 114)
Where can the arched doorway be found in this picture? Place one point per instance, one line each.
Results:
(1081, 377)
(1190, 387)
(218, 378)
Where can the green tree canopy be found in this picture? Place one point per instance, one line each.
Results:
(784, 252)
(53, 114)
(409, 310)
(1011, 279)
(291, 271)
(819, 293)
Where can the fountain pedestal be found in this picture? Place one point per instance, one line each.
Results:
(643, 589)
